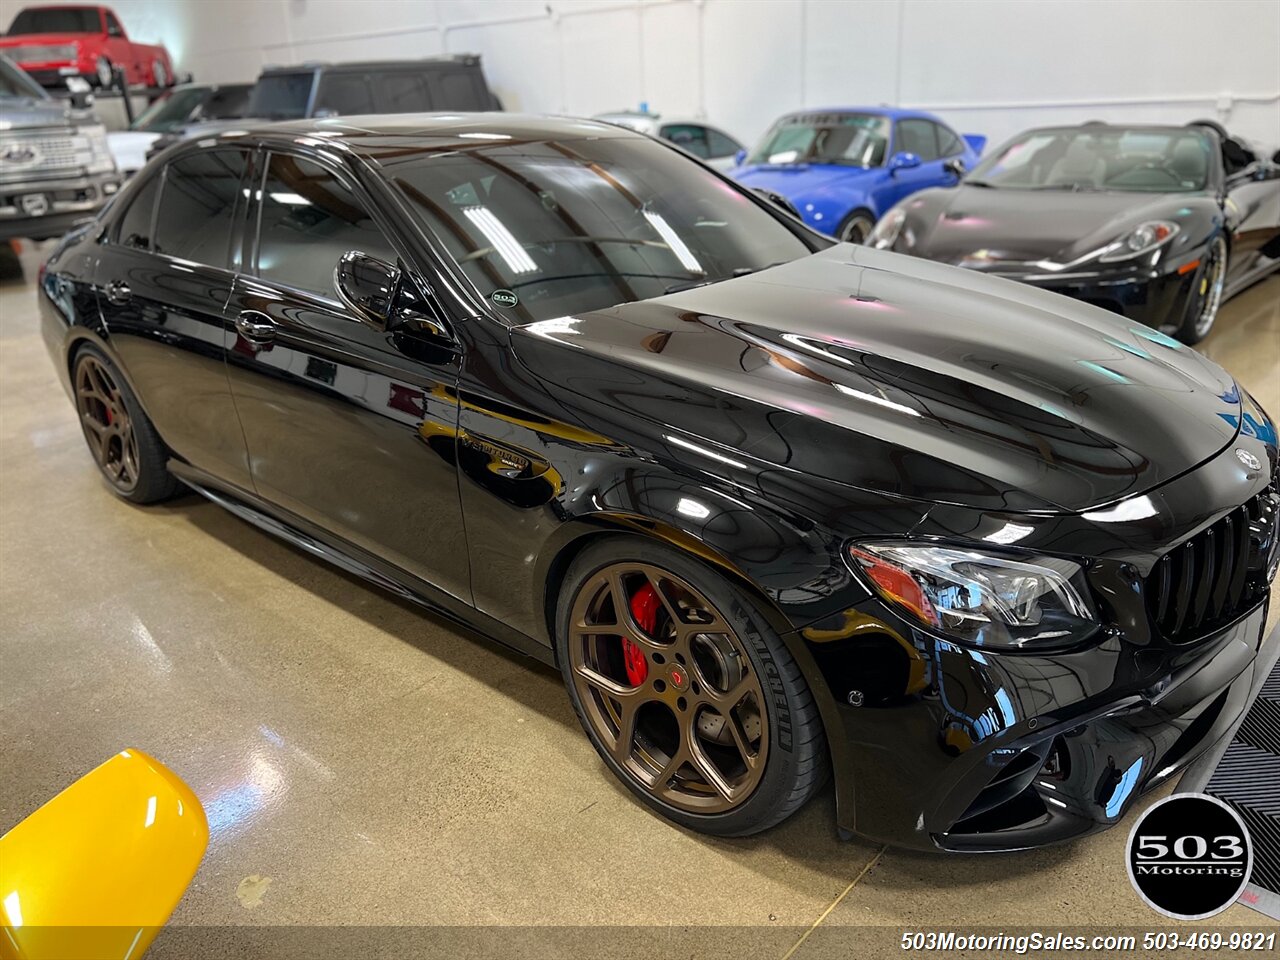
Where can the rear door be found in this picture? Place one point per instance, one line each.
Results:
(349, 428)
(164, 276)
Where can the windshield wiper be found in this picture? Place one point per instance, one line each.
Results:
(737, 272)
(1072, 187)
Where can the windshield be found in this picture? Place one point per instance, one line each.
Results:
(281, 96)
(172, 110)
(15, 83)
(852, 139)
(56, 20)
(177, 108)
(564, 227)
(1100, 158)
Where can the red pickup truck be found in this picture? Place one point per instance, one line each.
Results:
(53, 43)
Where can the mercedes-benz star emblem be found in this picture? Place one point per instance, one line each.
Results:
(1248, 459)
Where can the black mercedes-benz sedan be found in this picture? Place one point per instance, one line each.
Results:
(775, 507)
(1160, 224)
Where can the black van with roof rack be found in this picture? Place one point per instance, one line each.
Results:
(453, 83)
(383, 86)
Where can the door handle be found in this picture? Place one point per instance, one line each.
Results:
(118, 292)
(255, 326)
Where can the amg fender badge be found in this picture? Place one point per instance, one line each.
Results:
(1248, 459)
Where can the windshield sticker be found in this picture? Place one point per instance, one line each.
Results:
(504, 298)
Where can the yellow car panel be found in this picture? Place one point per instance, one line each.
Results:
(97, 870)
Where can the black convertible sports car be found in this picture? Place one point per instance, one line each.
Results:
(1160, 224)
(773, 505)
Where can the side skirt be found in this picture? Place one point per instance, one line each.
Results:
(356, 561)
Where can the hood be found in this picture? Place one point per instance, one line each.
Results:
(19, 112)
(798, 178)
(1061, 225)
(907, 377)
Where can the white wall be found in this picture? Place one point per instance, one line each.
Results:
(989, 66)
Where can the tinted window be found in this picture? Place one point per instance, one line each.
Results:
(345, 93)
(309, 220)
(918, 137)
(949, 144)
(113, 25)
(197, 206)
(586, 224)
(226, 103)
(134, 229)
(173, 109)
(718, 145)
(457, 90)
(402, 92)
(57, 20)
(690, 136)
(281, 96)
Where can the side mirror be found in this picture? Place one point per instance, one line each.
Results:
(366, 286)
(740, 158)
(81, 93)
(903, 161)
(955, 167)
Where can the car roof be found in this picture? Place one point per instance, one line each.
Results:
(893, 113)
(372, 135)
(310, 66)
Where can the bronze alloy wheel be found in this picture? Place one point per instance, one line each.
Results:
(668, 687)
(107, 425)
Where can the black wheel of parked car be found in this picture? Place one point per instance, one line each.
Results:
(686, 692)
(105, 73)
(122, 440)
(1206, 296)
(856, 227)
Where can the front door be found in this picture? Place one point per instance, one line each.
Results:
(348, 428)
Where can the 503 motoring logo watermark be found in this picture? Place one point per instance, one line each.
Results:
(1189, 856)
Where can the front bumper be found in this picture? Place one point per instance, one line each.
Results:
(64, 202)
(1020, 751)
(53, 74)
(1157, 299)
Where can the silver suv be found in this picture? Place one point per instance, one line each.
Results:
(55, 167)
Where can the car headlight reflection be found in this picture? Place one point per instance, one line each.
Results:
(984, 599)
(1142, 239)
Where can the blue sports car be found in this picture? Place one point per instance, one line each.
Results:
(842, 167)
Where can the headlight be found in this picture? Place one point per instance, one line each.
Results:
(983, 599)
(1141, 239)
(99, 158)
(885, 233)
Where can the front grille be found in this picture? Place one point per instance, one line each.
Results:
(25, 156)
(45, 54)
(1216, 575)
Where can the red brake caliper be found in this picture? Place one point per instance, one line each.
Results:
(644, 608)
